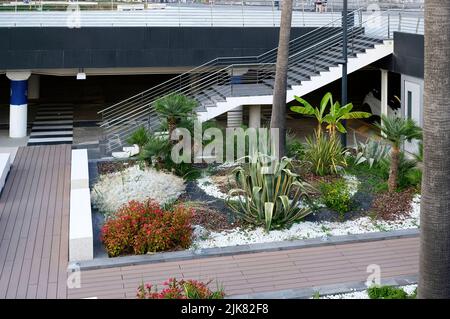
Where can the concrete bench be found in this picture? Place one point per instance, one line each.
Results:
(81, 245)
(5, 165)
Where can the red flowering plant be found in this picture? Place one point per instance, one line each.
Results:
(179, 289)
(141, 227)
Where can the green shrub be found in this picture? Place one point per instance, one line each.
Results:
(325, 154)
(294, 148)
(386, 292)
(408, 173)
(336, 196)
(268, 197)
(156, 150)
(139, 137)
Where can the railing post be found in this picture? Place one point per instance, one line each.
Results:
(211, 6)
(418, 23)
(243, 20)
(273, 13)
(179, 14)
(399, 22)
(389, 25)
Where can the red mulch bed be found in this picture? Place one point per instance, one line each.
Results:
(211, 219)
(389, 206)
(112, 167)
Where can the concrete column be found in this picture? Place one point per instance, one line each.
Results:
(254, 116)
(18, 104)
(34, 87)
(384, 92)
(234, 117)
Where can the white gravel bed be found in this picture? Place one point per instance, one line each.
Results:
(302, 230)
(409, 289)
(116, 189)
(305, 230)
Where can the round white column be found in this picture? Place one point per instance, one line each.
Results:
(254, 116)
(18, 104)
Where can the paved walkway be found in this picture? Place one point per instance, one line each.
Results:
(34, 221)
(263, 272)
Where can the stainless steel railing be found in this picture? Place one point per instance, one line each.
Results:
(182, 13)
(214, 79)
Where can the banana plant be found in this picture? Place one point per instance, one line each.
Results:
(339, 113)
(308, 109)
(268, 193)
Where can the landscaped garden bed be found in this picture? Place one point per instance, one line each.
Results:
(381, 292)
(151, 204)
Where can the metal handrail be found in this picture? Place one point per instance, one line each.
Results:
(218, 80)
(262, 58)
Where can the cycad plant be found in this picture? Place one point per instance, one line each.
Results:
(139, 137)
(175, 108)
(396, 131)
(268, 195)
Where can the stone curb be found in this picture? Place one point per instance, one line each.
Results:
(102, 263)
(341, 288)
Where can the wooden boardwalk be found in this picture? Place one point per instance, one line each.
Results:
(34, 221)
(263, 272)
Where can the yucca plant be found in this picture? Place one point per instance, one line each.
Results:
(325, 155)
(268, 195)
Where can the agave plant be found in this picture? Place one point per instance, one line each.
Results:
(371, 152)
(268, 195)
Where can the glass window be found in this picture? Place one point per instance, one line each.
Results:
(409, 106)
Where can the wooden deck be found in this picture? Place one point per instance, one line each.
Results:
(263, 272)
(34, 221)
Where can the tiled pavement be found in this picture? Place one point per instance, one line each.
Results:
(262, 272)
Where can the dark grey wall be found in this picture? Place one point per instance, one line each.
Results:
(408, 55)
(24, 48)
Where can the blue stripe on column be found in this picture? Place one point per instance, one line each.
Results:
(19, 92)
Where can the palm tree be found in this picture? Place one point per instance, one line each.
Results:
(396, 131)
(278, 119)
(175, 108)
(434, 276)
(308, 109)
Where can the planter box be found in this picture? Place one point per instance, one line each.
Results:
(81, 246)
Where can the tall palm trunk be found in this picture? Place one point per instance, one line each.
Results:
(434, 276)
(393, 170)
(278, 119)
